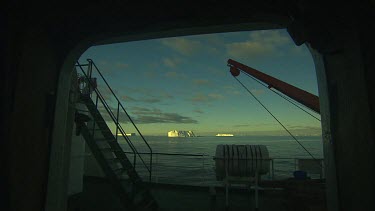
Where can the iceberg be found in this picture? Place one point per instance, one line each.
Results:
(224, 134)
(181, 133)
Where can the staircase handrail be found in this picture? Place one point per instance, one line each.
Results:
(115, 120)
(109, 110)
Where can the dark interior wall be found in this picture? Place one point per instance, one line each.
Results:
(29, 118)
(367, 45)
(344, 43)
(352, 137)
(366, 31)
(38, 42)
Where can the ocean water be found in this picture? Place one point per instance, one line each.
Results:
(190, 160)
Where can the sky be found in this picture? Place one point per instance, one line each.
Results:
(184, 83)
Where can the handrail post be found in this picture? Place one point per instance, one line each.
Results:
(156, 172)
(117, 117)
(273, 170)
(204, 176)
(204, 167)
(134, 160)
(89, 70)
(96, 101)
(150, 166)
(322, 169)
(96, 106)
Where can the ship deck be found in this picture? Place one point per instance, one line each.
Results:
(277, 195)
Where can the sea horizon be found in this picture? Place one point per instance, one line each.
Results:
(234, 135)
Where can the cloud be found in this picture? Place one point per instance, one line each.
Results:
(198, 111)
(259, 44)
(234, 92)
(112, 111)
(151, 99)
(257, 91)
(142, 110)
(299, 127)
(121, 65)
(165, 118)
(199, 98)
(147, 116)
(273, 37)
(182, 45)
(243, 125)
(137, 90)
(109, 68)
(212, 39)
(149, 73)
(216, 72)
(103, 62)
(105, 113)
(257, 125)
(148, 92)
(247, 49)
(142, 115)
(306, 130)
(147, 95)
(201, 82)
(216, 96)
(171, 62)
(231, 90)
(165, 95)
(127, 98)
(176, 75)
(106, 93)
(206, 97)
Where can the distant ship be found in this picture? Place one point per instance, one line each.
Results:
(181, 133)
(224, 134)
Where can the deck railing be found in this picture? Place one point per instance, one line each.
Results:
(199, 169)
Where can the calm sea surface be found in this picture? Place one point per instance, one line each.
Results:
(190, 160)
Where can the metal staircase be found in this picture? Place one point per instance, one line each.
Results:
(118, 168)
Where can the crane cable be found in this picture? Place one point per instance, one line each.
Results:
(282, 96)
(278, 121)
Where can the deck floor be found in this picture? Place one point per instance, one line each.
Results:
(98, 195)
(171, 197)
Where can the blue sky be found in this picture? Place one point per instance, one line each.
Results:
(184, 83)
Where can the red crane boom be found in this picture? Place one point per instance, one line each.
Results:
(305, 98)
